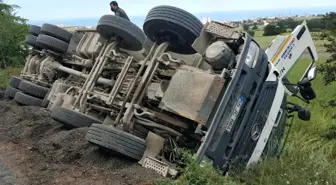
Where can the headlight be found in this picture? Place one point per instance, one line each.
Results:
(252, 55)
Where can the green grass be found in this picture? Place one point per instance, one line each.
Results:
(265, 41)
(5, 74)
(309, 156)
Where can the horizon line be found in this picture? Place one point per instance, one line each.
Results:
(202, 12)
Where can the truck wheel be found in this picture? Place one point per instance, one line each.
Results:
(72, 119)
(57, 32)
(25, 99)
(11, 92)
(54, 44)
(168, 23)
(33, 89)
(34, 30)
(132, 36)
(31, 41)
(15, 81)
(116, 140)
(45, 101)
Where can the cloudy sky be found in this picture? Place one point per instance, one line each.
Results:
(61, 9)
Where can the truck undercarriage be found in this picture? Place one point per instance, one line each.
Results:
(176, 84)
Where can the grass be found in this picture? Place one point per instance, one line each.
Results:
(5, 74)
(310, 153)
(264, 41)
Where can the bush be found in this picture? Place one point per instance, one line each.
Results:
(246, 27)
(13, 30)
(271, 29)
(251, 32)
(316, 29)
(323, 35)
(255, 26)
(330, 39)
(328, 69)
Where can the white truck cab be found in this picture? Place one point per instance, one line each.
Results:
(258, 123)
(283, 53)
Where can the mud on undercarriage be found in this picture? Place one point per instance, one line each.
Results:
(154, 105)
(146, 94)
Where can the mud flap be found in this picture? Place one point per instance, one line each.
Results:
(154, 145)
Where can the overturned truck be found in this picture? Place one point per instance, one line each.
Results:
(207, 88)
(47, 44)
(76, 104)
(55, 55)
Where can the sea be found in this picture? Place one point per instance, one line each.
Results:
(217, 16)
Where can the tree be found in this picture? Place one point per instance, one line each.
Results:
(328, 69)
(251, 32)
(13, 30)
(255, 26)
(291, 23)
(282, 26)
(246, 27)
(271, 29)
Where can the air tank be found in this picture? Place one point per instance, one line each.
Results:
(219, 55)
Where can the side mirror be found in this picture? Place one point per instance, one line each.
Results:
(304, 114)
(312, 73)
(305, 83)
(290, 87)
(307, 92)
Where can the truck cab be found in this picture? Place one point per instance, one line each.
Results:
(245, 109)
(253, 105)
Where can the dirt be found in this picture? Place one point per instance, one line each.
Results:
(34, 149)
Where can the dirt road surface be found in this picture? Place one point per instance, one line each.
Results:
(36, 150)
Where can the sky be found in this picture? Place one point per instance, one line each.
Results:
(70, 9)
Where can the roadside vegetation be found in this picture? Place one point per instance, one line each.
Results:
(13, 30)
(310, 153)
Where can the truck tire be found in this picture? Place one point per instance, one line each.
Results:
(179, 27)
(132, 36)
(57, 32)
(51, 43)
(31, 41)
(33, 89)
(72, 119)
(116, 140)
(45, 101)
(25, 99)
(15, 81)
(10, 92)
(34, 30)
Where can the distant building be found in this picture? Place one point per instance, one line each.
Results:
(206, 20)
(265, 23)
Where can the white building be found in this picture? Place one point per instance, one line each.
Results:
(206, 20)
